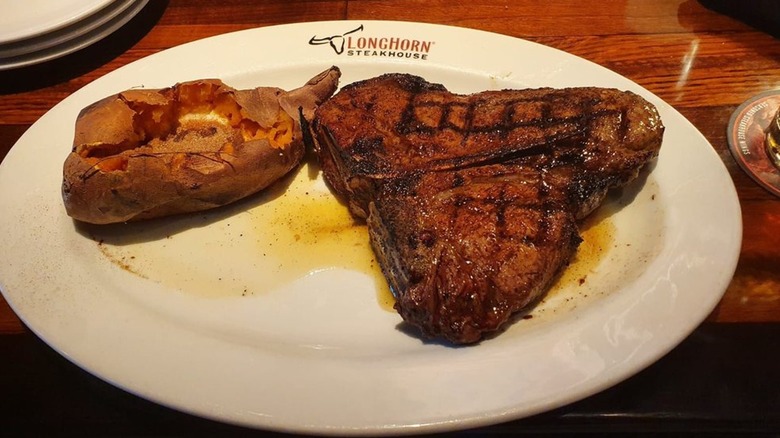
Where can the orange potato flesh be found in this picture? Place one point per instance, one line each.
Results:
(197, 105)
(109, 164)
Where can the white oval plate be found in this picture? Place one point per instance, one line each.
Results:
(69, 39)
(35, 17)
(195, 313)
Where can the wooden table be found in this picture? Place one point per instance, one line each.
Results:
(722, 378)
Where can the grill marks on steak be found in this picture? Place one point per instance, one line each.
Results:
(396, 123)
(464, 250)
(472, 201)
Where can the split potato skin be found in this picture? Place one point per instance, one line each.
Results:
(197, 145)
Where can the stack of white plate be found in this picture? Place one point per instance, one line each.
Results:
(34, 31)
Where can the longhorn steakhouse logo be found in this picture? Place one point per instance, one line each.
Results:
(352, 43)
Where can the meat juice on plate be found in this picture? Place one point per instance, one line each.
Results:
(293, 229)
(313, 231)
(296, 228)
(598, 235)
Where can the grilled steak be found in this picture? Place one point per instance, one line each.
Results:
(396, 123)
(464, 250)
(472, 201)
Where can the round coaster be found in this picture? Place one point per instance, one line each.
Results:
(747, 131)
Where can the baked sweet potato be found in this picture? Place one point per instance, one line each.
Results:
(196, 145)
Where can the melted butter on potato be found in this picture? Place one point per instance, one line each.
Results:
(198, 117)
(189, 119)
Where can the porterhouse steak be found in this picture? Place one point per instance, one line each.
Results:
(472, 201)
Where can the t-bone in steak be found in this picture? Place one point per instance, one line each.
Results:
(472, 201)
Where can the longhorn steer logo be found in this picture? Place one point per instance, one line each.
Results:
(336, 41)
(382, 45)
